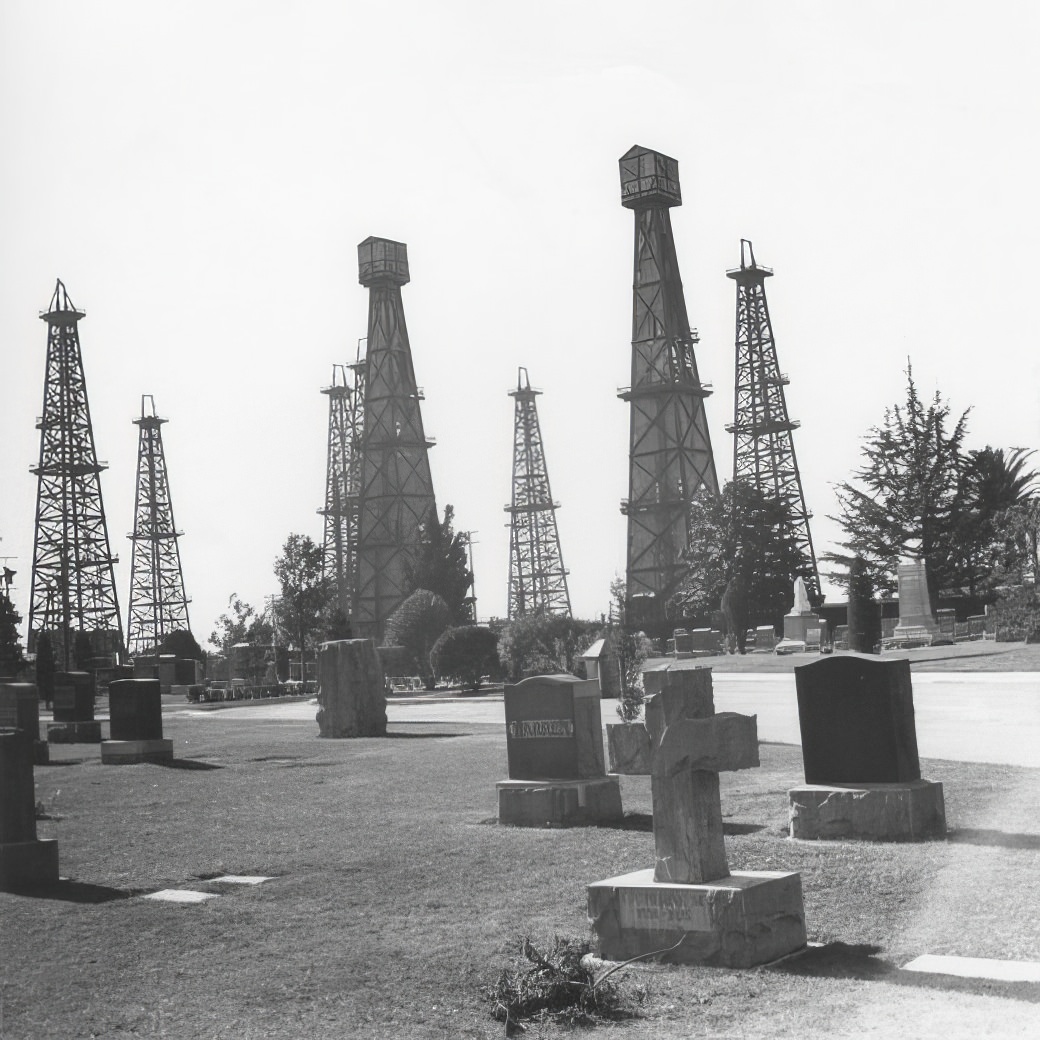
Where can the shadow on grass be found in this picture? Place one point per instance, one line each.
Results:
(188, 763)
(841, 961)
(644, 822)
(62, 762)
(67, 891)
(993, 839)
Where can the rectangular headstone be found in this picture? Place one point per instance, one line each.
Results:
(554, 729)
(135, 709)
(20, 709)
(17, 794)
(856, 714)
(73, 697)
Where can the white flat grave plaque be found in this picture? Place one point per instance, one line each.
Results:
(976, 968)
(180, 895)
(240, 879)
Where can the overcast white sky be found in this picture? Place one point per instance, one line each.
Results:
(200, 173)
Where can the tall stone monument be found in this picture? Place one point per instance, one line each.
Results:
(690, 904)
(25, 860)
(73, 701)
(554, 743)
(135, 726)
(916, 621)
(351, 690)
(799, 621)
(859, 749)
(20, 710)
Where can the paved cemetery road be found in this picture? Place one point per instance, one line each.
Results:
(962, 716)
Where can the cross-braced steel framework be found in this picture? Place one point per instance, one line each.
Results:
(73, 578)
(537, 578)
(670, 456)
(346, 396)
(396, 494)
(763, 446)
(158, 605)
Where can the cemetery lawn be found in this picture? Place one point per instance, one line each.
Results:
(396, 896)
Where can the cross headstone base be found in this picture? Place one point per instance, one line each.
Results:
(744, 919)
(74, 733)
(559, 803)
(131, 752)
(911, 811)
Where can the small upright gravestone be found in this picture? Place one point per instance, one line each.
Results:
(859, 748)
(25, 860)
(351, 690)
(73, 701)
(554, 743)
(689, 904)
(20, 710)
(135, 727)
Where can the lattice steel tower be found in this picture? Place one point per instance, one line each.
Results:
(343, 481)
(763, 448)
(158, 605)
(396, 487)
(537, 579)
(73, 578)
(670, 456)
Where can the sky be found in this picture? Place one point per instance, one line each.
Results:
(199, 175)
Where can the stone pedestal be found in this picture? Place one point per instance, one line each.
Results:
(744, 919)
(628, 748)
(916, 622)
(912, 811)
(135, 710)
(20, 710)
(559, 803)
(25, 861)
(351, 690)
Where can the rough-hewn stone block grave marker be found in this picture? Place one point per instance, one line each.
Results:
(859, 748)
(554, 742)
(135, 727)
(20, 710)
(25, 860)
(689, 904)
(73, 701)
(351, 690)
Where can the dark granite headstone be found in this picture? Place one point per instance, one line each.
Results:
(135, 709)
(20, 710)
(17, 794)
(553, 728)
(73, 697)
(856, 714)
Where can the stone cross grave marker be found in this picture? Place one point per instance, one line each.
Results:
(859, 749)
(554, 746)
(690, 904)
(25, 860)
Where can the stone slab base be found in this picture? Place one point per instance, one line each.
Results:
(129, 752)
(74, 732)
(912, 811)
(559, 803)
(748, 918)
(28, 864)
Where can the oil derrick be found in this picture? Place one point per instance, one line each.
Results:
(342, 481)
(537, 579)
(73, 579)
(763, 448)
(158, 605)
(396, 494)
(670, 456)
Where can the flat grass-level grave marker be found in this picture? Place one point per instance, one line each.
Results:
(351, 690)
(25, 860)
(180, 895)
(554, 744)
(73, 700)
(859, 749)
(689, 908)
(20, 710)
(135, 711)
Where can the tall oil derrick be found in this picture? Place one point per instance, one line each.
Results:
(343, 480)
(537, 578)
(73, 578)
(158, 605)
(763, 448)
(396, 493)
(670, 456)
